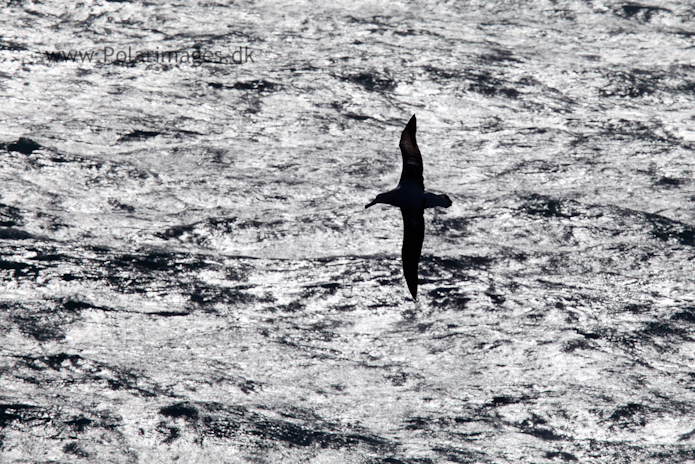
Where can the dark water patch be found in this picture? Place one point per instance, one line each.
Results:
(114, 203)
(530, 166)
(75, 306)
(257, 86)
(670, 181)
(9, 45)
(169, 313)
(300, 436)
(596, 335)
(49, 256)
(634, 83)
(183, 410)
(23, 414)
(10, 216)
(463, 456)
(543, 434)
(687, 436)
(664, 330)
(74, 449)
(112, 172)
(39, 328)
(79, 424)
(439, 74)
(666, 229)
(494, 295)
(10, 233)
(357, 117)
(674, 456)
(321, 290)
(687, 87)
(370, 81)
(640, 12)
(24, 146)
(459, 264)
(47, 159)
(567, 457)
(392, 460)
(139, 135)
(450, 227)
(65, 369)
(384, 21)
(537, 426)
(248, 386)
(324, 330)
(448, 298)
(35, 421)
(686, 315)
(388, 460)
(209, 295)
(630, 415)
(499, 56)
(372, 167)
(570, 346)
(541, 205)
(392, 281)
(637, 308)
(238, 422)
(18, 270)
(344, 308)
(293, 307)
(171, 433)
(422, 423)
(498, 401)
(42, 320)
(161, 271)
(53, 223)
(147, 262)
(147, 267)
(229, 225)
(485, 83)
(54, 362)
(246, 224)
(628, 130)
(399, 379)
(175, 231)
(477, 81)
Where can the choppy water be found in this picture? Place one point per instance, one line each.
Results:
(188, 273)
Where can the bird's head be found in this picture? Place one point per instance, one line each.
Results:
(385, 197)
(373, 202)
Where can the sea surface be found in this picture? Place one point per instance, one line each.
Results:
(188, 273)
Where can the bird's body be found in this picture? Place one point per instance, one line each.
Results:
(411, 198)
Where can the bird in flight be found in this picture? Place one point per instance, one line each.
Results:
(411, 198)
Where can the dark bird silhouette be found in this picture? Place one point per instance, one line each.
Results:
(411, 198)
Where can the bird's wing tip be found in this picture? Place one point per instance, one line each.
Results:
(412, 125)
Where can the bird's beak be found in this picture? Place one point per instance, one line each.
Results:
(370, 204)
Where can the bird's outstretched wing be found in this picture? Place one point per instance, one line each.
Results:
(412, 160)
(413, 235)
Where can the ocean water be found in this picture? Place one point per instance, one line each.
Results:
(188, 273)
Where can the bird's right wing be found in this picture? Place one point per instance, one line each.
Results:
(413, 236)
(412, 160)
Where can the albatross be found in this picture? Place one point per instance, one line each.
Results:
(411, 198)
